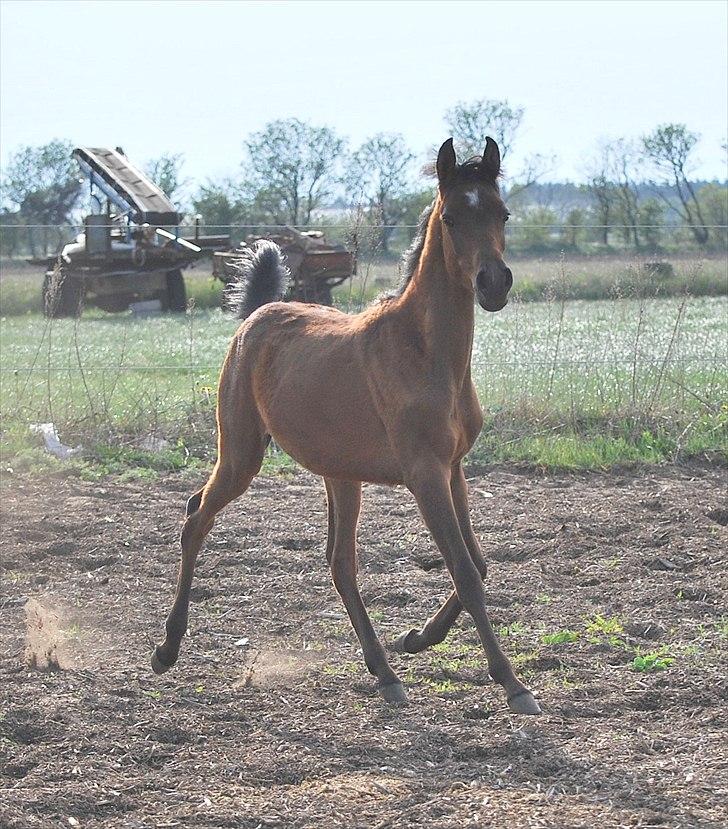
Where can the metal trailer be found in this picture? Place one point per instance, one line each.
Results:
(316, 266)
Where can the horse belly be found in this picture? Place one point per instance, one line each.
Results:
(320, 411)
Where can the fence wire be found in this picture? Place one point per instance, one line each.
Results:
(365, 226)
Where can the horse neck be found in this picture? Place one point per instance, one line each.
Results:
(441, 304)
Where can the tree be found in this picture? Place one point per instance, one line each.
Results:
(669, 148)
(470, 123)
(43, 183)
(615, 189)
(166, 172)
(220, 206)
(602, 190)
(624, 160)
(11, 231)
(713, 200)
(651, 217)
(413, 203)
(571, 232)
(377, 176)
(290, 169)
(534, 229)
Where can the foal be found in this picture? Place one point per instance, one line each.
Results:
(383, 396)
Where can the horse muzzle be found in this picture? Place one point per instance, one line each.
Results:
(492, 285)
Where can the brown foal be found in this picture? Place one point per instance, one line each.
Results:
(383, 396)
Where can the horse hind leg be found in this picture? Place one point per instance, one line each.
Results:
(230, 478)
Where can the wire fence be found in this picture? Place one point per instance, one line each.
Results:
(324, 225)
(358, 232)
(652, 344)
(547, 362)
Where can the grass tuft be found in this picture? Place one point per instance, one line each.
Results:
(561, 637)
(653, 661)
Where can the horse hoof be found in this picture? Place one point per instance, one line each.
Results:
(524, 703)
(400, 643)
(158, 666)
(393, 693)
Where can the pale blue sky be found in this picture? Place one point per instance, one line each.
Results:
(196, 77)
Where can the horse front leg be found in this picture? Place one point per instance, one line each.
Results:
(430, 484)
(344, 505)
(437, 627)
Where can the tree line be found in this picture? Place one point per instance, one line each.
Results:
(296, 173)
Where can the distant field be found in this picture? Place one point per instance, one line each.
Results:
(576, 277)
(603, 381)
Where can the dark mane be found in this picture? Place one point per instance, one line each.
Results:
(411, 257)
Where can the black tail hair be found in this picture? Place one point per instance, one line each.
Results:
(262, 276)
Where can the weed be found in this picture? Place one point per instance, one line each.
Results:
(153, 694)
(523, 659)
(341, 669)
(561, 637)
(653, 661)
(599, 628)
(514, 629)
(445, 686)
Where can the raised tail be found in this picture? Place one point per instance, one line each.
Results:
(262, 276)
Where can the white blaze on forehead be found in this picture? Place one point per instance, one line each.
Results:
(472, 197)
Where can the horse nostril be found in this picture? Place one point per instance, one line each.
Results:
(508, 279)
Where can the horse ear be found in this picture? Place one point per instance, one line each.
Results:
(446, 161)
(491, 159)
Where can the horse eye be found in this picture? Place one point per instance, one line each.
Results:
(448, 220)
(506, 217)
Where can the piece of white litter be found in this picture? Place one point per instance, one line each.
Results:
(242, 643)
(53, 442)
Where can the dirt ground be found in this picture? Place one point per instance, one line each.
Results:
(270, 718)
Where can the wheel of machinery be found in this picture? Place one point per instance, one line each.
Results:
(176, 293)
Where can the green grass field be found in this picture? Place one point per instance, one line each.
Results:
(564, 383)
